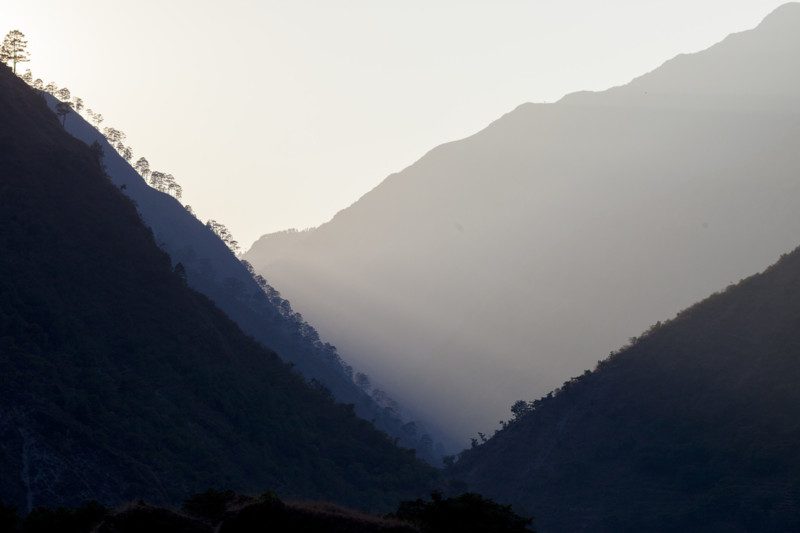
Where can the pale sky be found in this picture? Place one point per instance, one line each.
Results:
(277, 114)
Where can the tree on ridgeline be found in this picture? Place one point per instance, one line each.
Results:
(62, 110)
(63, 94)
(14, 49)
(224, 234)
(142, 166)
(126, 152)
(172, 187)
(67, 103)
(113, 135)
(95, 118)
(160, 181)
(157, 179)
(519, 409)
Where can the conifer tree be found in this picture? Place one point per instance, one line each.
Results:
(63, 94)
(14, 49)
(142, 166)
(113, 135)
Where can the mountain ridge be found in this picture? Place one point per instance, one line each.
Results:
(656, 200)
(689, 427)
(213, 269)
(122, 382)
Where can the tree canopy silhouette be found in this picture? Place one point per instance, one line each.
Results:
(14, 49)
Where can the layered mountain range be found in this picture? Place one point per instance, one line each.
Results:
(499, 265)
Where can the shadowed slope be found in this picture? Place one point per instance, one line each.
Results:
(213, 270)
(119, 381)
(694, 427)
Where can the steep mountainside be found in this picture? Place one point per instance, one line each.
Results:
(119, 381)
(499, 265)
(214, 271)
(693, 427)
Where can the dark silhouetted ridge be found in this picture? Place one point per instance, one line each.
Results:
(693, 427)
(119, 381)
(214, 271)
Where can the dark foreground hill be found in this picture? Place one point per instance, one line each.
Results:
(214, 271)
(693, 427)
(118, 381)
(228, 512)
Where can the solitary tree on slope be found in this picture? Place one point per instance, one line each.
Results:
(14, 49)
(142, 166)
(113, 135)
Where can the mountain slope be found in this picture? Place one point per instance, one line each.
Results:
(497, 266)
(119, 381)
(693, 427)
(214, 271)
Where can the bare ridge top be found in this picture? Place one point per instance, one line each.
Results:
(751, 64)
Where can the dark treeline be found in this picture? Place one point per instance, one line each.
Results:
(14, 50)
(228, 512)
(691, 426)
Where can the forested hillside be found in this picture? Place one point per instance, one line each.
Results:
(213, 270)
(119, 381)
(692, 427)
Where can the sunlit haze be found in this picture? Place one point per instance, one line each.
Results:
(371, 265)
(278, 114)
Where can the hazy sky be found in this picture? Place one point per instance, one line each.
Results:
(277, 114)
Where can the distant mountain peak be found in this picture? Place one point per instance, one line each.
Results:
(751, 67)
(585, 224)
(786, 13)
